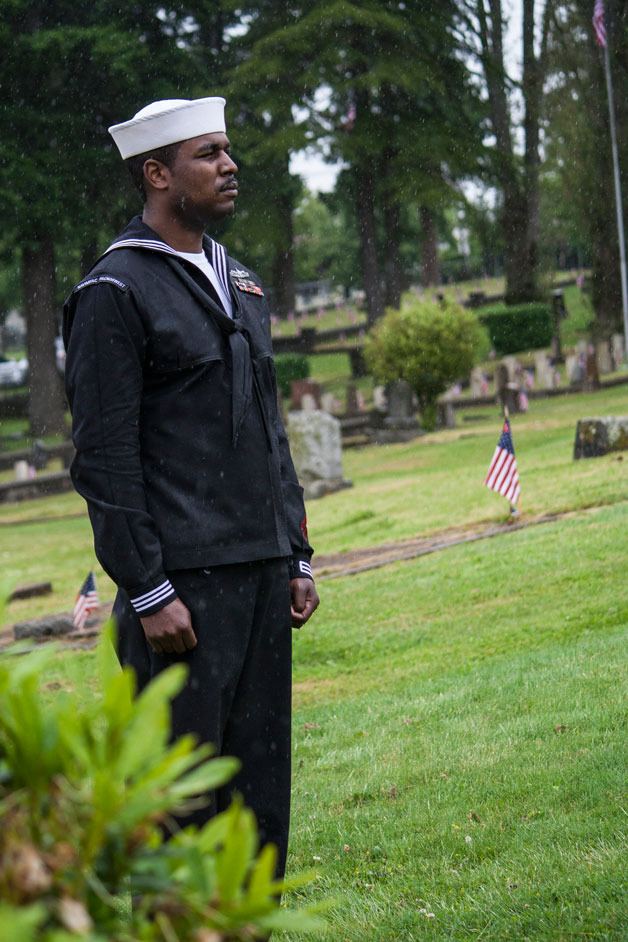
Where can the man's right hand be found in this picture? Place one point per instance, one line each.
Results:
(169, 631)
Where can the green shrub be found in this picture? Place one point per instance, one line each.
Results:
(86, 795)
(289, 366)
(517, 327)
(428, 344)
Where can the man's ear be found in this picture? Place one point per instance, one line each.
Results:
(156, 174)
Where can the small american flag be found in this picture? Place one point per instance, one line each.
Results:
(599, 23)
(86, 602)
(502, 476)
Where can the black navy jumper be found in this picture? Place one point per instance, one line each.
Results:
(184, 463)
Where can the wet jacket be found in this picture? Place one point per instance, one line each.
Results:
(181, 453)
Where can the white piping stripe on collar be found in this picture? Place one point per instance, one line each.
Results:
(140, 244)
(219, 262)
(219, 255)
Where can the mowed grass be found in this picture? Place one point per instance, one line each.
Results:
(436, 481)
(400, 491)
(459, 740)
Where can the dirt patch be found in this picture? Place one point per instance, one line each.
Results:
(337, 565)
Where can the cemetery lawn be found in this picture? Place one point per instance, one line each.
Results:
(459, 740)
(459, 731)
(400, 492)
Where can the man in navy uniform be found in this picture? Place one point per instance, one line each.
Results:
(183, 460)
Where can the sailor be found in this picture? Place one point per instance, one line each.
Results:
(183, 460)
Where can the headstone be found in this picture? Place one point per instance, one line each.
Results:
(559, 313)
(544, 371)
(618, 350)
(476, 382)
(591, 376)
(575, 372)
(507, 392)
(513, 366)
(446, 414)
(30, 591)
(401, 409)
(358, 363)
(599, 436)
(302, 387)
(40, 628)
(603, 356)
(315, 444)
(39, 458)
(352, 404)
(380, 400)
(21, 471)
(328, 402)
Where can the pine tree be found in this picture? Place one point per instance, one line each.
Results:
(67, 72)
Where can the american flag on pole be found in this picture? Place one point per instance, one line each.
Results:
(86, 602)
(502, 476)
(599, 23)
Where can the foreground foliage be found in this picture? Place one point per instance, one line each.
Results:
(87, 792)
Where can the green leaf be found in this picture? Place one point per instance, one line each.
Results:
(206, 777)
(20, 925)
(234, 861)
(263, 874)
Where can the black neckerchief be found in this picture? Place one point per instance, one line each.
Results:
(242, 382)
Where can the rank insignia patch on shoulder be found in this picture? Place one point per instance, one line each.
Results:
(249, 287)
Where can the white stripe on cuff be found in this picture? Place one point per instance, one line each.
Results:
(305, 567)
(141, 602)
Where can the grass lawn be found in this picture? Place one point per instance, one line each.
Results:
(401, 491)
(459, 747)
(435, 482)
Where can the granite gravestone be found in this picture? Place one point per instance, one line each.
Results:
(316, 446)
(599, 436)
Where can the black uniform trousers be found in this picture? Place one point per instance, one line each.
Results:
(238, 692)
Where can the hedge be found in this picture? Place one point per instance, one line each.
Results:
(516, 327)
(290, 366)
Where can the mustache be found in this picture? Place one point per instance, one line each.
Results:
(230, 184)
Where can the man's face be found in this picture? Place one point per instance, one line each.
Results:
(203, 185)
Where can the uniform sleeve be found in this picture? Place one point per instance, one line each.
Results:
(105, 341)
(300, 565)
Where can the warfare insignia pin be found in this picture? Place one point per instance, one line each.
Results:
(238, 273)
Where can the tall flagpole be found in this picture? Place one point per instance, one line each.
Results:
(603, 41)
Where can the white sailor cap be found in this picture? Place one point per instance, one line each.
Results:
(168, 122)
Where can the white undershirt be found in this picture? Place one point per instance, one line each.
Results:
(203, 264)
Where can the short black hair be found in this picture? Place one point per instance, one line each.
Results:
(165, 155)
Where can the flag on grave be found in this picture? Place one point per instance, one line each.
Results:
(599, 23)
(502, 476)
(86, 602)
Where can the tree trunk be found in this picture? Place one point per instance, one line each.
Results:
(520, 218)
(520, 261)
(283, 261)
(605, 283)
(368, 244)
(393, 272)
(46, 402)
(430, 268)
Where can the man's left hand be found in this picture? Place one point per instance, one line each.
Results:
(304, 600)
